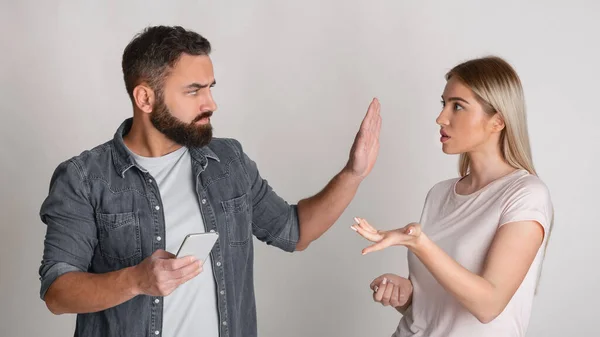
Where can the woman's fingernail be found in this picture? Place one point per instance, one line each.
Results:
(354, 229)
(384, 281)
(357, 221)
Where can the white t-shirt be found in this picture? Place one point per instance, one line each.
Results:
(190, 310)
(464, 227)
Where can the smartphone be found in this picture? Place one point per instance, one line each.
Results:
(198, 245)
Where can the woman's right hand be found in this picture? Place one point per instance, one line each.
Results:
(392, 290)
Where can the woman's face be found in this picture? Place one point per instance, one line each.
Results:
(465, 126)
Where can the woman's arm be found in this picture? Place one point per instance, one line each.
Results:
(509, 258)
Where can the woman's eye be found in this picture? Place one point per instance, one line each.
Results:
(457, 107)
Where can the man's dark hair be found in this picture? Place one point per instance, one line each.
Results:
(151, 53)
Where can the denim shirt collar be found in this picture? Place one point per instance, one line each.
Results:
(123, 160)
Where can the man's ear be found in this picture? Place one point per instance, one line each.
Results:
(144, 97)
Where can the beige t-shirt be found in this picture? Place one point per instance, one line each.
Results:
(464, 227)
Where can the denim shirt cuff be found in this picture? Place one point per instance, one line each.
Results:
(289, 243)
(52, 273)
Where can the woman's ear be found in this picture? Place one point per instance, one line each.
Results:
(497, 123)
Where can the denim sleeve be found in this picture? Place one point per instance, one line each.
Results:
(70, 226)
(274, 221)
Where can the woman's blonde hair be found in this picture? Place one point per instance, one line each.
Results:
(498, 89)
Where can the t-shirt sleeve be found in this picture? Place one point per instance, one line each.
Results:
(529, 200)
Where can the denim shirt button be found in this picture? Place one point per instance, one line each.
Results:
(158, 238)
(203, 201)
(157, 207)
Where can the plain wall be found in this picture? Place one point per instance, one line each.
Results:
(294, 81)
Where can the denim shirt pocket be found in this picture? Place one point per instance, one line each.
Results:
(119, 236)
(238, 220)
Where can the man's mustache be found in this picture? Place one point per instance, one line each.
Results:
(206, 114)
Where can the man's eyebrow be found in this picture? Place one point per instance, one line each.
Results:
(199, 86)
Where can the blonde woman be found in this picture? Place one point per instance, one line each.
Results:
(475, 255)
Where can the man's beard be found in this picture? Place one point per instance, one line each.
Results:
(188, 135)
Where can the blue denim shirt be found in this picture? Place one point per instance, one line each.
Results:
(104, 213)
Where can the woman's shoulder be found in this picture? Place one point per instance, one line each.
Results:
(527, 196)
(527, 184)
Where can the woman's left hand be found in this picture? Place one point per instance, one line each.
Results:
(408, 236)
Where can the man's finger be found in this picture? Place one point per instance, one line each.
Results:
(376, 118)
(365, 122)
(189, 277)
(186, 270)
(178, 263)
(378, 128)
(368, 120)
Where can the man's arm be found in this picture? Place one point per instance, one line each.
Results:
(318, 213)
(294, 227)
(81, 292)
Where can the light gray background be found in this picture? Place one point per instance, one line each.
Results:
(294, 81)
